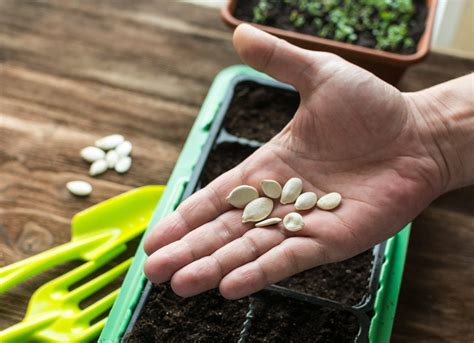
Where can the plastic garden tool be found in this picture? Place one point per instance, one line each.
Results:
(94, 232)
(54, 312)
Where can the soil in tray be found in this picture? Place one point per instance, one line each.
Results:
(279, 17)
(259, 112)
(346, 281)
(281, 319)
(207, 317)
(222, 158)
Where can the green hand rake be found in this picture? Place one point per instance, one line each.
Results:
(99, 234)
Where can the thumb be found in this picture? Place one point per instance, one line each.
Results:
(278, 58)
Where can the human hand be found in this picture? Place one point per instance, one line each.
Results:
(353, 134)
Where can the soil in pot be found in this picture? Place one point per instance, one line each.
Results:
(281, 319)
(396, 26)
(207, 317)
(346, 282)
(259, 112)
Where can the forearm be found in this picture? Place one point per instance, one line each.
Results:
(446, 116)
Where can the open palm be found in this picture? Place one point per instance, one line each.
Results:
(353, 134)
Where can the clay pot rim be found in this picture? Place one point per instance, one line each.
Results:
(332, 45)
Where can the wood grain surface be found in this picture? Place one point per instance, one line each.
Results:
(73, 71)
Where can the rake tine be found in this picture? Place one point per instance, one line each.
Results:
(58, 287)
(97, 308)
(99, 282)
(93, 331)
(23, 331)
(16, 273)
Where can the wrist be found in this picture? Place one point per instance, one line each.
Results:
(444, 115)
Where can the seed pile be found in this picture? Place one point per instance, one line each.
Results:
(257, 209)
(109, 152)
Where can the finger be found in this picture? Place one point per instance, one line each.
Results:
(200, 208)
(207, 272)
(344, 232)
(208, 203)
(277, 57)
(292, 256)
(203, 241)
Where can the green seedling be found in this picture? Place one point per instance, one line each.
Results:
(297, 19)
(386, 21)
(260, 12)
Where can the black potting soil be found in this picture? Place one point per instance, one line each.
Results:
(345, 281)
(222, 158)
(258, 112)
(207, 317)
(279, 16)
(279, 319)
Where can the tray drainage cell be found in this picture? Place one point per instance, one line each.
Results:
(258, 112)
(346, 282)
(207, 317)
(277, 318)
(222, 158)
(353, 282)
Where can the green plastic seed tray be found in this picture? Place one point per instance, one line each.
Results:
(380, 312)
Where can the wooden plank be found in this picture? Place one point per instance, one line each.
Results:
(73, 71)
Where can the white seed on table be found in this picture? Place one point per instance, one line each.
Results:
(124, 148)
(123, 165)
(79, 188)
(329, 201)
(306, 201)
(109, 142)
(240, 196)
(268, 222)
(271, 188)
(291, 190)
(293, 222)
(257, 210)
(112, 158)
(98, 167)
(92, 154)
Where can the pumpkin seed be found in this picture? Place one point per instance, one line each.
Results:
(111, 157)
(124, 148)
(257, 210)
(123, 165)
(293, 222)
(240, 196)
(329, 201)
(92, 154)
(79, 188)
(271, 188)
(291, 190)
(98, 167)
(306, 201)
(268, 222)
(109, 142)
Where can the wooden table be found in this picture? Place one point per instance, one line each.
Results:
(73, 71)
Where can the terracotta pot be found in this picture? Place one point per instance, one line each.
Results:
(386, 65)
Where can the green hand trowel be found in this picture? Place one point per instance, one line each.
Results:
(99, 234)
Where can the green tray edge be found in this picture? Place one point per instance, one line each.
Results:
(395, 250)
(385, 305)
(135, 278)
